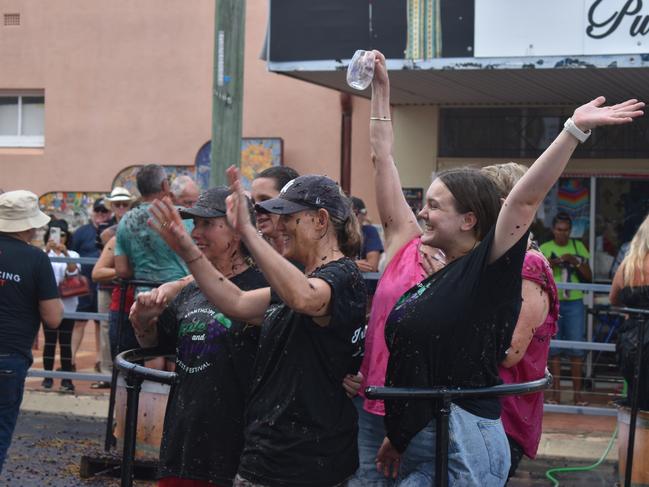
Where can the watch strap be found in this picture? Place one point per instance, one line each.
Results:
(575, 131)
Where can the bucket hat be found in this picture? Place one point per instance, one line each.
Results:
(19, 212)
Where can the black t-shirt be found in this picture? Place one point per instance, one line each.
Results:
(301, 427)
(452, 329)
(203, 428)
(26, 277)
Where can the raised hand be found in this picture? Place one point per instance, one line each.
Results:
(380, 70)
(593, 114)
(237, 204)
(166, 220)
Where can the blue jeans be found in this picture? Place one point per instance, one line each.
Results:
(478, 453)
(371, 432)
(13, 370)
(571, 327)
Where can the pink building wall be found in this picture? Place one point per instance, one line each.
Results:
(130, 82)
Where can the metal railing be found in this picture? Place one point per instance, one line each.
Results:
(134, 375)
(643, 316)
(442, 397)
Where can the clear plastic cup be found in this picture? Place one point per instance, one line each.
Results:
(361, 70)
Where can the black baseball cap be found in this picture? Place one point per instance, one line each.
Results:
(309, 192)
(99, 206)
(210, 204)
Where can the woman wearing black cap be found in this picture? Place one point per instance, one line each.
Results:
(300, 426)
(203, 430)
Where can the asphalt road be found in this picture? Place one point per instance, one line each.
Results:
(47, 450)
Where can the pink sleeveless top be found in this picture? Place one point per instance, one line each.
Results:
(403, 272)
(522, 416)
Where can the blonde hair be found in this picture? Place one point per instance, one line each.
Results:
(638, 249)
(504, 176)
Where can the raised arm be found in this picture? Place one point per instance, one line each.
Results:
(248, 306)
(398, 220)
(310, 296)
(520, 206)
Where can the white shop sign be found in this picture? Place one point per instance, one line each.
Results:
(560, 27)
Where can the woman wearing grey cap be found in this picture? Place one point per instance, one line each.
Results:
(203, 429)
(300, 426)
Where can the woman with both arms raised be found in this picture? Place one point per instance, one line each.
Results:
(454, 327)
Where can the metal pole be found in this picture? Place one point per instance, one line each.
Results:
(227, 95)
(109, 440)
(634, 403)
(441, 443)
(133, 387)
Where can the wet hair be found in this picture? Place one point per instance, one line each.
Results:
(505, 176)
(474, 192)
(562, 216)
(149, 179)
(280, 174)
(348, 232)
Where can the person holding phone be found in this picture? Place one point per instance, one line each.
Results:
(56, 239)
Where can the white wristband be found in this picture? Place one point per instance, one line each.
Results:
(575, 131)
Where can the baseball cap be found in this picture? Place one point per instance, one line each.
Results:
(19, 212)
(309, 192)
(99, 205)
(210, 204)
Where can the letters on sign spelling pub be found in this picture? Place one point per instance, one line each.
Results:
(604, 18)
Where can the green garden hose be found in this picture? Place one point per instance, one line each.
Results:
(555, 482)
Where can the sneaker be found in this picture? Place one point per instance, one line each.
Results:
(66, 386)
(47, 383)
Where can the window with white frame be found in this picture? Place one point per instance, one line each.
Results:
(22, 119)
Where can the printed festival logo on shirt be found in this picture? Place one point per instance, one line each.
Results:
(200, 338)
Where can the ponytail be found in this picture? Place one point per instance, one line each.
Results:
(349, 237)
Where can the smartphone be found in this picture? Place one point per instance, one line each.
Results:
(55, 235)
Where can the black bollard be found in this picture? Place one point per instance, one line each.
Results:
(133, 387)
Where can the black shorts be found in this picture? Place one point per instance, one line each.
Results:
(88, 303)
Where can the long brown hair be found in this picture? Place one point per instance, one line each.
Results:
(474, 192)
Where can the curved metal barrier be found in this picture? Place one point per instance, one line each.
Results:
(642, 315)
(122, 322)
(134, 375)
(443, 396)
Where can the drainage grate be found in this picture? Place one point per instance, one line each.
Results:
(12, 19)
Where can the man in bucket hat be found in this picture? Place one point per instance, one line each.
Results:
(28, 295)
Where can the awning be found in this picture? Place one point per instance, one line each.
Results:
(495, 81)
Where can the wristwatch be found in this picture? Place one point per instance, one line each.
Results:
(575, 131)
